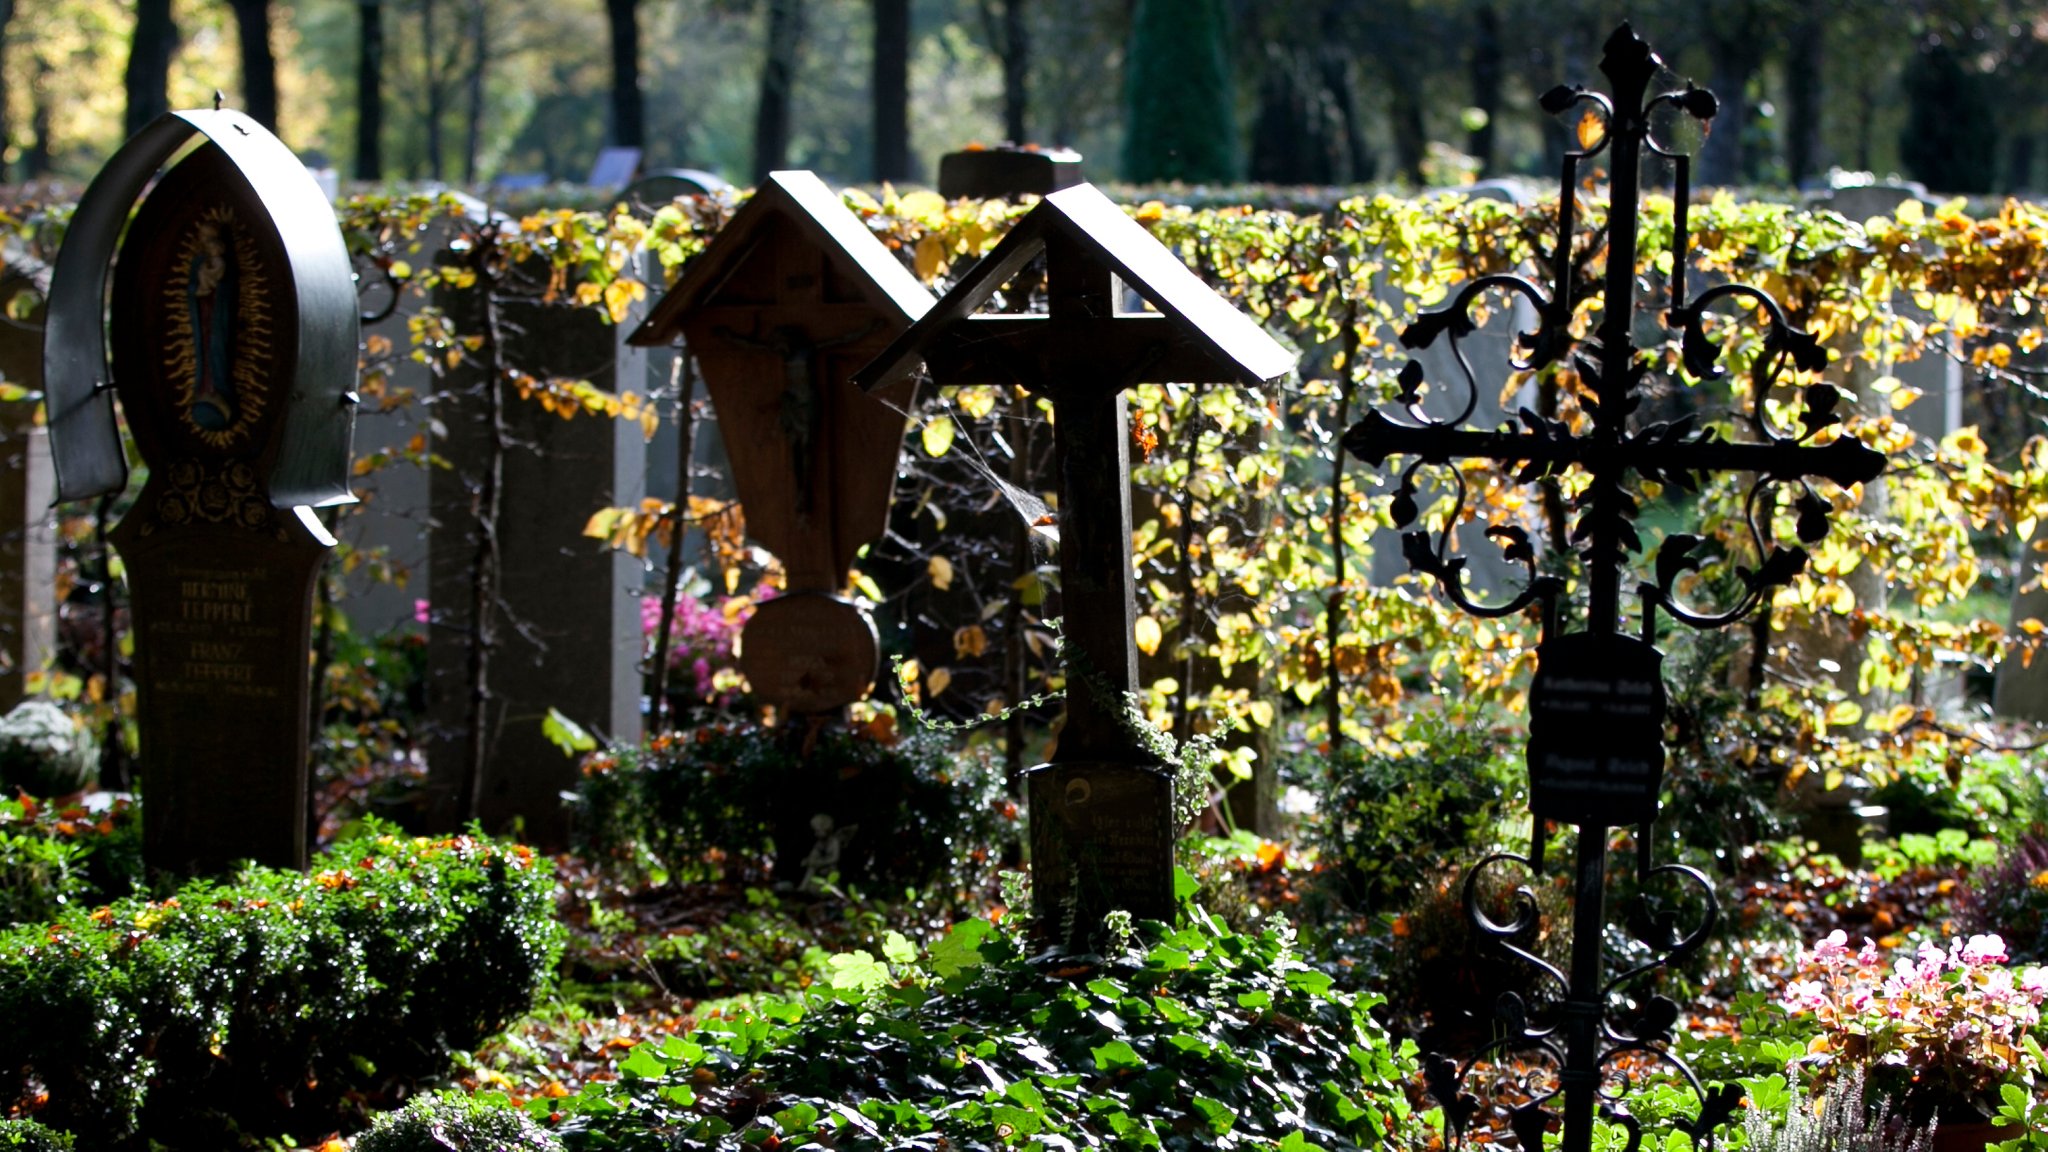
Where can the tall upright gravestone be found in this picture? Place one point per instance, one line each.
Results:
(28, 536)
(568, 625)
(1102, 823)
(233, 324)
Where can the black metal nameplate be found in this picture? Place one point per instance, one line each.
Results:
(1596, 730)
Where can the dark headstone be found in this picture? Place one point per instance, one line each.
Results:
(568, 631)
(233, 349)
(1006, 173)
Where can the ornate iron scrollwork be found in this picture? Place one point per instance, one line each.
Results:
(1602, 774)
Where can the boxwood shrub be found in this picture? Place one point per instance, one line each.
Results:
(719, 800)
(29, 1136)
(276, 1002)
(1191, 1037)
(455, 1122)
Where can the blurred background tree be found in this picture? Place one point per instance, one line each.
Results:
(1950, 92)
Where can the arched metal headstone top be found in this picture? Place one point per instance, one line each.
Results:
(312, 464)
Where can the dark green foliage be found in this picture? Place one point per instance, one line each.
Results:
(57, 858)
(1205, 1037)
(1950, 141)
(456, 1122)
(1182, 119)
(2010, 898)
(29, 1136)
(275, 1002)
(1388, 823)
(720, 797)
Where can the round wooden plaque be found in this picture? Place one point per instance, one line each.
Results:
(809, 652)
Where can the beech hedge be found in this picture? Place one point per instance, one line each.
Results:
(278, 1002)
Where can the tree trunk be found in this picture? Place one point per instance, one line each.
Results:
(892, 89)
(6, 117)
(473, 137)
(148, 78)
(1487, 67)
(629, 109)
(36, 162)
(2019, 176)
(1803, 148)
(432, 86)
(1411, 142)
(1734, 60)
(1016, 72)
(1337, 81)
(778, 82)
(259, 66)
(370, 92)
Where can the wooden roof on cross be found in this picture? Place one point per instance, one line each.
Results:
(800, 199)
(1212, 341)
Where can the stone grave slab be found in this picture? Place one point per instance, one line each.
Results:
(568, 634)
(28, 531)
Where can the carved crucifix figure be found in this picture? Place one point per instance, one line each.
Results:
(1595, 751)
(800, 408)
(1102, 811)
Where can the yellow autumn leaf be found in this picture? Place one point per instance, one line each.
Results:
(1591, 128)
(937, 436)
(977, 401)
(937, 682)
(969, 642)
(620, 295)
(940, 570)
(931, 257)
(922, 205)
(1149, 635)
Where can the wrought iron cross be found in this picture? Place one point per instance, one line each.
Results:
(1596, 755)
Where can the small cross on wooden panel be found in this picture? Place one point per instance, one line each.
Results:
(1102, 827)
(779, 309)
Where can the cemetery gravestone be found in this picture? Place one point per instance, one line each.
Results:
(1006, 173)
(790, 296)
(234, 355)
(28, 535)
(568, 634)
(1102, 816)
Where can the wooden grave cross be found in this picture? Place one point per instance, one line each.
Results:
(1102, 810)
(790, 296)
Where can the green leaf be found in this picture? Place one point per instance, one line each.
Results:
(937, 436)
(1297, 1141)
(1216, 1114)
(1310, 980)
(857, 975)
(566, 734)
(1116, 1055)
(898, 950)
(1184, 885)
(642, 1064)
(960, 949)
(1255, 1000)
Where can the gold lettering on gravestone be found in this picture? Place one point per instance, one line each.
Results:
(207, 648)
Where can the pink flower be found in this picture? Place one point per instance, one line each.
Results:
(2034, 982)
(422, 612)
(1985, 949)
(1806, 996)
(1833, 949)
